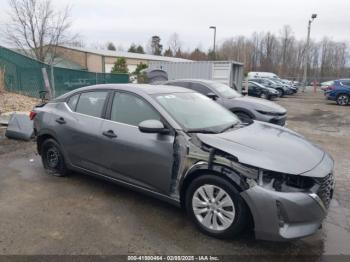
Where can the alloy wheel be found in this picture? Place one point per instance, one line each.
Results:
(343, 100)
(280, 93)
(263, 96)
(213, 207)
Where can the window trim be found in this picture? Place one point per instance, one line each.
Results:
(76, 104)
(104, 108)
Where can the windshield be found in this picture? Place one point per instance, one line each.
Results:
(196, 112)
(224, 90)
(256, 83)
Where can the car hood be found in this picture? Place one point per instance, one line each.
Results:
(257, 104)
(269, 147)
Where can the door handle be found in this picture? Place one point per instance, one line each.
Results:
(109, 133)
(60, 120)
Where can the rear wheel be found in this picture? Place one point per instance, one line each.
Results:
(53, 159)
(343, 100)
(216, 207)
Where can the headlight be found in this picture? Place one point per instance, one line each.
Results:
(268, 113)
(285, 182)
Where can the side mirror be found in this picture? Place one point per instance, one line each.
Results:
(152, 126)
(212, 96)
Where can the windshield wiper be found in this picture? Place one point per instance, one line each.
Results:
(203, 131)
(228, 127)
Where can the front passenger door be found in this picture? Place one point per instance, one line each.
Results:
(138, 158)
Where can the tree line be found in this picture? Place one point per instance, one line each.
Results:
(280, 53)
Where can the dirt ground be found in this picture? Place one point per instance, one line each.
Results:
(79, 214)
(15, 102)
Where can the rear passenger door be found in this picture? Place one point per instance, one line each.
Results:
(81, 129)
(130, 155)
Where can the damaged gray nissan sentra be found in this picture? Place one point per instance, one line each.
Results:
(182, 147)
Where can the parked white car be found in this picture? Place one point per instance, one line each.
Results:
(252, 75)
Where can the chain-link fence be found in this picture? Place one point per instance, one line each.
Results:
(25, 75)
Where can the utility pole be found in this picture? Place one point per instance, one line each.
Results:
(214, 28)
(307, 50)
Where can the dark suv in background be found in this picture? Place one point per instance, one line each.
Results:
(281, 89)
(246, 108)
(258, 90)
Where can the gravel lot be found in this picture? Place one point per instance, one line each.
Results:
(79, 214)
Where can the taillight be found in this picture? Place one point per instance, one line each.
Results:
(32, 114)
(331, 87)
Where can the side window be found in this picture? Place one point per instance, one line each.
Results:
(346, 83)
(200, 88)
(72, 102)
(132, 110)
(91, 103)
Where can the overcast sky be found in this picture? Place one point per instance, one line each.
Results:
(127, 21)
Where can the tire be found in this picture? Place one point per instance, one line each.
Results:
(343, 99)
(244, 117)
(52, 158)
(231, 219)
(264, 96)
(280, 92)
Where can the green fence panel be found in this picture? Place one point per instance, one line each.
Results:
(24, 75)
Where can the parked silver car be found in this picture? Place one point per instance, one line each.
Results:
(170, 143)
(246, 108)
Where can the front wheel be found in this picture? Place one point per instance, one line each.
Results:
(263, 96)
(280, 92)
(53, 159)
(245, 118)
(343, 100)
(216, 207)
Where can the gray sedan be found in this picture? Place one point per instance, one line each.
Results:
(169, 142)
(246, 108)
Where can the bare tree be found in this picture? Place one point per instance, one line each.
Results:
(174, 43)
(36, 28)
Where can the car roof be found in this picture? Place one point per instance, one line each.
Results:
(193, 80)
(136, 88)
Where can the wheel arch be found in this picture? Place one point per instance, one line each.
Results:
(42, 136)
(342, 93)
(242, 110)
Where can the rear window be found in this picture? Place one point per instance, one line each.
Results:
(72, 102)
(91, 103)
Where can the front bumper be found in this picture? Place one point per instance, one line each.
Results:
(289, 91)
(280, 216)
(330, 97)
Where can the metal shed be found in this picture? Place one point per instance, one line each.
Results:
(228, 72)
